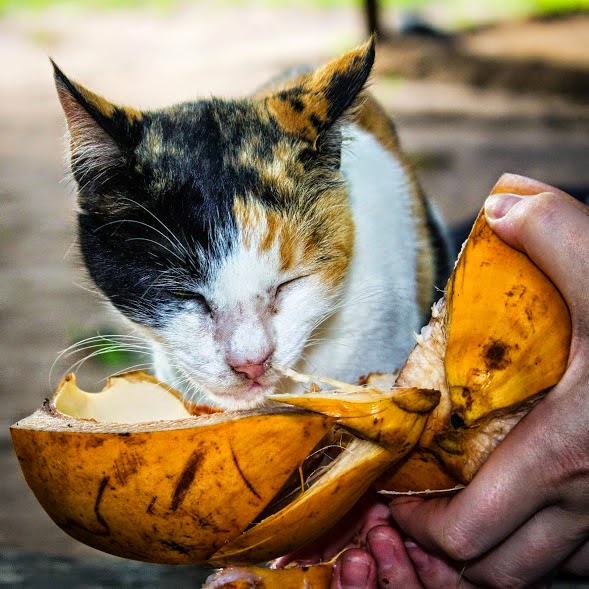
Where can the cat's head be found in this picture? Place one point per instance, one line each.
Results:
(221, 226)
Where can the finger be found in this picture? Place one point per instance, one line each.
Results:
(378, 515)
(394, 569)
(435, 572)
(552, 229)
(532, 552)
(520, 478)
(354, 569)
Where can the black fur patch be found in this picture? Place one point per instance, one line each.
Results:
(118, 125)
(173, 198)
(165, 208)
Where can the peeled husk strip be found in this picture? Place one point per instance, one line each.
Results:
(313, 512)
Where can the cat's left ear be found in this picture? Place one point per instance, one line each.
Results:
(308, 109)
(101, 134)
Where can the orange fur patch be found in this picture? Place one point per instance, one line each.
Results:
(263, 228)
(106, 108)
(304, 102)
(300, 251)
(294, 121)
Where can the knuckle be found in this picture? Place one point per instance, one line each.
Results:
(547, 202)
(566, 450)
(501, 575)
(540, 210)
(504, 580)
(580, 317)
(459, 545)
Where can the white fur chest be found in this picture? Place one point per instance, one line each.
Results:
(372, 329)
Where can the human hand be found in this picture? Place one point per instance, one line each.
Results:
(390, 562)
(526, 512)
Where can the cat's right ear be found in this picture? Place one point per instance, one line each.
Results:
(100, 133)
(313, 104)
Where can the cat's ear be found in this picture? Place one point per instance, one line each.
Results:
(309, 108)
(100, 133)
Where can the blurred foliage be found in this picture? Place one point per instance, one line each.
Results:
(116, 359)
(507, 8)
(113, 352)
(20, 5)
(465, 13)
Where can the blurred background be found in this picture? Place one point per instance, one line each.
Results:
(476, 89)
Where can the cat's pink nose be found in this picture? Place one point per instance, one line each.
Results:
(253, 369)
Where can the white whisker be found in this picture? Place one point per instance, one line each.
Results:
(178, 254)
(173, 238)
(99, 345)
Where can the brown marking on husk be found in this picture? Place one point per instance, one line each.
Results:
(242, 475)
(186, 479)
(497, 355)
(99, 517)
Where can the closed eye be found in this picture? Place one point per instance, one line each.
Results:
(193, 296)
(287, 284)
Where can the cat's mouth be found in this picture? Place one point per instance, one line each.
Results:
(237, 393)
(256, 388)
(246, 396)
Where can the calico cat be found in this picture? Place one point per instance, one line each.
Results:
(282, 228)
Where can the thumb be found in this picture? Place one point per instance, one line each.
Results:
(553, 230)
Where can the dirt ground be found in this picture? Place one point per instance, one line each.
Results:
(462, 139)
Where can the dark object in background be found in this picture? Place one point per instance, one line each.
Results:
(412, 24)
(371, 14)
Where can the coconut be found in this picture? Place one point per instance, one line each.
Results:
(138, 472)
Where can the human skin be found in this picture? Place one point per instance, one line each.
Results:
(525, 515)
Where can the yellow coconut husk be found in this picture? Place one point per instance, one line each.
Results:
(309, 577)
(171, 486)
(495, 344)
(134, 472)
(169, 489)
(519, 346)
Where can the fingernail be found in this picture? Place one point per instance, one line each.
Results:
(418, 556)
(354, 572)
(498, 205)
(382, 536)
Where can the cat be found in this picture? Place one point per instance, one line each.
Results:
(282, 228)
